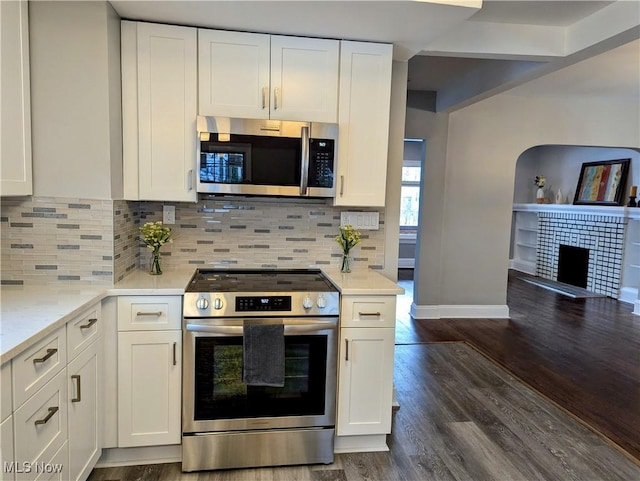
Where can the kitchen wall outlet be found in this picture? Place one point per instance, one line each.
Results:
(168, 214)
(361, 220)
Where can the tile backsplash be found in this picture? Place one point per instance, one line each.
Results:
(48, 239)
(260, 233)
(67, 239)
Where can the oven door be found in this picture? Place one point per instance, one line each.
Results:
(215, 399)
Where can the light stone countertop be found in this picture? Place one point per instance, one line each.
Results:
(30, 313)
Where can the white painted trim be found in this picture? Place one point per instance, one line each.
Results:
(459, 311)
(406, 263)
(140, 455)
(636, 310)
(628, 294)
(360, 444)
(609, 211)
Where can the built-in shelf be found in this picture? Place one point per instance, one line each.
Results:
(523, 244)
(635, 266)
(528, 229)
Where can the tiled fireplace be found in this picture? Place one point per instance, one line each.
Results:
(602, 236)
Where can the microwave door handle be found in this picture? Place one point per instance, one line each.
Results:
(304, 171)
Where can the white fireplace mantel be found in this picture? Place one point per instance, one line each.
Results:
(628, 212)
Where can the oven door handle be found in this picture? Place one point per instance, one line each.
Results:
(238, 330)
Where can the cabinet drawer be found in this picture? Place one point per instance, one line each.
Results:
(147, 313)
(41, 423)
(82, 330)
(368, 311)
(37, 365)
(5, 391)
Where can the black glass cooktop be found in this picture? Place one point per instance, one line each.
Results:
(259, 280)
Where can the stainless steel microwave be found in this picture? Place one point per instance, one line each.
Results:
(266, 157)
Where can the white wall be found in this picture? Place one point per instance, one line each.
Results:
(75, 101)
(561, 164)
(484, 143)
(468, 184)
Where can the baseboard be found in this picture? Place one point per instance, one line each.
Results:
(628, 294)
(455, 311)
(360, 444)
(143, 455)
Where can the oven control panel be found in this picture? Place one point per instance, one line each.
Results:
(263, 303)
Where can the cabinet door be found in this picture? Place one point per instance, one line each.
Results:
(233, 74)
(6, 449)
(15, 133)
(365, 98)
(84, 406)
(304, 79)
(149, 388)
(167, 106)
(365, 381)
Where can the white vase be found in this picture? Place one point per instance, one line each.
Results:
(540, 196)
(559, 197)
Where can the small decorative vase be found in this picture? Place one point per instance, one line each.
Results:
(559, 197)
(155, 264)
(346, 263)
(540, 195)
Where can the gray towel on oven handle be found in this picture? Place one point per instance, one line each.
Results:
(263, 353)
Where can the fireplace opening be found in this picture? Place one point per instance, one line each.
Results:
(573, 265)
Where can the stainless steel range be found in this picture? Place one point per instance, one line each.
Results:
(259, 375)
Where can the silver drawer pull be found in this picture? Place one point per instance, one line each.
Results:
(91, 322)
(156, 314)
(50, 352)
(362, 314)
(77, 399)
(52, 411)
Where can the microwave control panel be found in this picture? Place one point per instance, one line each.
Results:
(321, 156)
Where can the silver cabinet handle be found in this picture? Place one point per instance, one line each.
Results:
(363, 314)
(276, 95)
(90, 323)
(304, 170)
(190, 180)
(50, 352)
(175, 361)
(76, 377)
(341, 185)
(265, 91)
(157, 314)
(52, 411)
(346, 349)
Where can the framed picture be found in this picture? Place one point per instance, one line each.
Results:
(602, 183)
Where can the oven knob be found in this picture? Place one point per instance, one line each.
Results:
(307, 302)
(321, 302)
(217, 303)
(202, 303)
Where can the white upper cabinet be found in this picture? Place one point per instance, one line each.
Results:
(261, 76)
(159, 98)
(15, 136)
(365, 98)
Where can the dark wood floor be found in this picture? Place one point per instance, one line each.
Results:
(461, 418)
(583, 354)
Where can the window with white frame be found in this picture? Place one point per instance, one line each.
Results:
(410, 194)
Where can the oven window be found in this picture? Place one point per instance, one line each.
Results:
(221, 394)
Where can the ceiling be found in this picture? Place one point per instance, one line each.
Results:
(458, 50)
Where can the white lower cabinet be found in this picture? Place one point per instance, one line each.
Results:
(6, 449)
(41, 427)
(84, 408)
(365, 385)
(149, 388)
